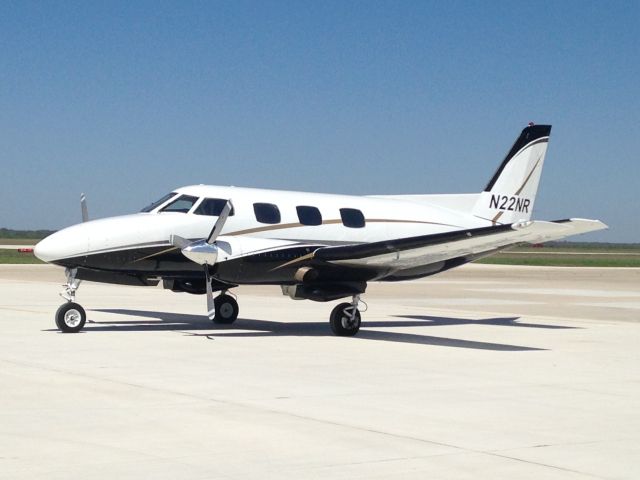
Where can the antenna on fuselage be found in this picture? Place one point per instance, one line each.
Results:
(83, 207)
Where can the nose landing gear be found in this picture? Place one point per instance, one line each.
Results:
(70, 317)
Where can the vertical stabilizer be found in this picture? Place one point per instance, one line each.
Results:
(511, 192)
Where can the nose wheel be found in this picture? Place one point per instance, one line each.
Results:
(70, 317)
(345, 318)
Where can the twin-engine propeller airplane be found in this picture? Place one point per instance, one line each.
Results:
(204, 239)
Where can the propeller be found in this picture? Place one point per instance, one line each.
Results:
(205, 252)
(83, 208)
(222, 219)
(211, 306)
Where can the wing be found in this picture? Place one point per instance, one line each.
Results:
(257, 260)
(414, 254)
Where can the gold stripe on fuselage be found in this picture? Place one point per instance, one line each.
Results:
(283, 226)
(155, 254)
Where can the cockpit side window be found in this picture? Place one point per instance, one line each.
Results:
(182, 204)
(212, 207)
(157, 203)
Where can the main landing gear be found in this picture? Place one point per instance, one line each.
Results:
(70, 317)
(345, 318)
(226, 309)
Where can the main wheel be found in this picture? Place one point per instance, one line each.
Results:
(341, 322)
(226, 309)
(70, 317)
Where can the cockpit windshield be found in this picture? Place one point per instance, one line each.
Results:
(157, 203)
(182, 204)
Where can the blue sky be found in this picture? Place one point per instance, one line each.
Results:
(126, 101)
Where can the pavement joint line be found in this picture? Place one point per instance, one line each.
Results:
(531, 462)
(81, 442)
(422, 440)
(572, 388)
(343, 425)
(494, 453)
(163, 459)
(396, 459)
(546, 445)
(12, 309)
(251, 406)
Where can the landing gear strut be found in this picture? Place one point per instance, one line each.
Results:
(345, 318)
(226, 309)
(70, 317)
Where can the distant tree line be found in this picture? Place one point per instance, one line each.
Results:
(35, 234)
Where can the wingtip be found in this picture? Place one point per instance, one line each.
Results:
(597, 224)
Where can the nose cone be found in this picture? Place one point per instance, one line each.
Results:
(67, 243)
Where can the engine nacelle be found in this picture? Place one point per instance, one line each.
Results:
(193, 286)
(322, 292)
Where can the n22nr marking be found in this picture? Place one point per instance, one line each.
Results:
(512, 204)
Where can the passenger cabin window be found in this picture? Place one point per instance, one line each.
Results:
(212, 207)
(352, 217)
(309, 215)
(182, 204)
(157, 203)
(266, 212)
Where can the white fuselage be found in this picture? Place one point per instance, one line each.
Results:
(385, 218)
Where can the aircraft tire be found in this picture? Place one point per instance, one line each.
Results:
(226, 309)
(340, 321)
(70, 317)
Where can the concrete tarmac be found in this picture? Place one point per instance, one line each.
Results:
(480, 372)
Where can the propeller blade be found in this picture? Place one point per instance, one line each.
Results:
(222, 219)
(211, 308)
(83, 207)
(178, 241)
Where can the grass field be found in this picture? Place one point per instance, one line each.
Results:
(15, 257)
(18, 241)
(586, 260)
(561, 254)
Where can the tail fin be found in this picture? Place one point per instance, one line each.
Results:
(511, 192)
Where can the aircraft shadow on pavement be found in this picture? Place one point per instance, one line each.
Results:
(244, 327)
(505, 322)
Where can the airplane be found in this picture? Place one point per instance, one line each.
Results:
(203, 239)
